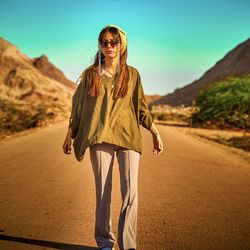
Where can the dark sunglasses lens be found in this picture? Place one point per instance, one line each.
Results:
(104, 44)
(112, 43)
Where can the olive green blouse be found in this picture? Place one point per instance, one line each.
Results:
(102, 119)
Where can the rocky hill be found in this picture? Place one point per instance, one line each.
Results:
(236, 63)
(32, 91)
(48, 69)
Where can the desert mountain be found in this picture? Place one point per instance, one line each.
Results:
(31, 90)
(48, 69)
(235, 63)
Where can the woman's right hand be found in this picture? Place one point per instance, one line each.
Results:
(67, 143)
(158, 145)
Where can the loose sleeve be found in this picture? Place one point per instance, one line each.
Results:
(145, 117)
(76, 107)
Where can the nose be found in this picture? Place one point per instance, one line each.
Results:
(109, 45)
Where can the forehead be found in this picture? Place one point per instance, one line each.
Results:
(108, 36)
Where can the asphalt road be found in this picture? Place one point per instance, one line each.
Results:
(195, 195)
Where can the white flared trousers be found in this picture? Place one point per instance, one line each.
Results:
(102, 159)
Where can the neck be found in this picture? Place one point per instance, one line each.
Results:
(111, 64)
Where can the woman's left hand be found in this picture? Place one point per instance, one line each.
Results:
(158, 145)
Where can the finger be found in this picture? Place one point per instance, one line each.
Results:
(67, 149)
(159, 150)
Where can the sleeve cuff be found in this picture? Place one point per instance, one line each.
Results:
(148, 120)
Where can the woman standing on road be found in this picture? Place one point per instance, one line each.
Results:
(107, 108)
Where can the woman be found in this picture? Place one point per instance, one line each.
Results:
(107, 108)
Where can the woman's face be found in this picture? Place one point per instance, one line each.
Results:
(109, 45)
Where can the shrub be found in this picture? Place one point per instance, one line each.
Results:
(225, 104)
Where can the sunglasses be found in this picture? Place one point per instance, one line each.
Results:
(113, 44)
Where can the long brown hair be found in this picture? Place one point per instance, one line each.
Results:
(121, 80)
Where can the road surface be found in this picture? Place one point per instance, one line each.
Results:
(195, 195)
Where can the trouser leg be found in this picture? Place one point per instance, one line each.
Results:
(102, 157)
(128, 161)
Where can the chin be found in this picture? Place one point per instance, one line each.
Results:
(110, 56)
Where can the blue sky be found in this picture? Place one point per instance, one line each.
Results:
(171, 43)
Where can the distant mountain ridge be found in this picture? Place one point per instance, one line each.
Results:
(13, 57)
(235, 63)
(31, 90)
(44, 66)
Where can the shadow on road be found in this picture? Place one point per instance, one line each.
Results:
(51, 244)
